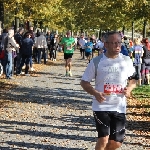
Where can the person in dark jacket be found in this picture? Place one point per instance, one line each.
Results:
(3, 36)
(146, 62)
(19, 38)
(54, 45)
(27, 46)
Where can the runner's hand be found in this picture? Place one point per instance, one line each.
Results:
(100, 97)
(127, 92)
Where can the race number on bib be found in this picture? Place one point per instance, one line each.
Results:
(111, 88)
(69, 48)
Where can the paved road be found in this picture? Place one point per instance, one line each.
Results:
(52, 112)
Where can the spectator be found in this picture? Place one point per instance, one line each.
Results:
(137, 53)
(32, 37)
(146, 62)
(4, 35)
(27, 46)
(53, 49)
(11, 46)
(19, 38)
(41, 45)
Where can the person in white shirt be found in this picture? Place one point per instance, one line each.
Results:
(82, 42)
(10, 46)
(99, 46)
(76, 41)
(110, 92)
(41, 45)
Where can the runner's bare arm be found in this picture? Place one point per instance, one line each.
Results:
(89, 89)
(73, 44)
(130, 87)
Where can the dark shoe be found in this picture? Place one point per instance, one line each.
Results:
(67, 74)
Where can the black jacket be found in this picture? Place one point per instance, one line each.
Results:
(27, 45)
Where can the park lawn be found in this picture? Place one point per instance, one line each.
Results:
(139, 103)
(138, 111)
(141, 92)
(141, 98)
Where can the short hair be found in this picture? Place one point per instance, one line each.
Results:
(137, 41)
(21, 29)
(145, 40)
(125, 38)
(68, 32)
(106, 35)
(11, 32)
(5, 30)
(27, 34)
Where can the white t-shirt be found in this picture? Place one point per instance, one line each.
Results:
(82, 43)
(99, 45)
(111, 79)
(75, 39)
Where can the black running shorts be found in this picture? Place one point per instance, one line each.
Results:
(68, 55)
(88, 54)
(82, 50)
(110, 123)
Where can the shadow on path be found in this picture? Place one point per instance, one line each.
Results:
(35, 146)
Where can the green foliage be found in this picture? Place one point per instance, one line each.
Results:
(77, 14)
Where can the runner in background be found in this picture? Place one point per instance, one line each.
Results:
(68, 43)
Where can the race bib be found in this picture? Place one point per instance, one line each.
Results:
(68, 48)
(112, 89)
(114, 93)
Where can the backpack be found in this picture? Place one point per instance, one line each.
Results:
(97, 59)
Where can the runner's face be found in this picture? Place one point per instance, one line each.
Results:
(113, 44)
(68, 34)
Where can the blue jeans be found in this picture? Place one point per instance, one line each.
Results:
(44, 53)
(138, 70)
(31, 62)
(8, 57)
(41, 50)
